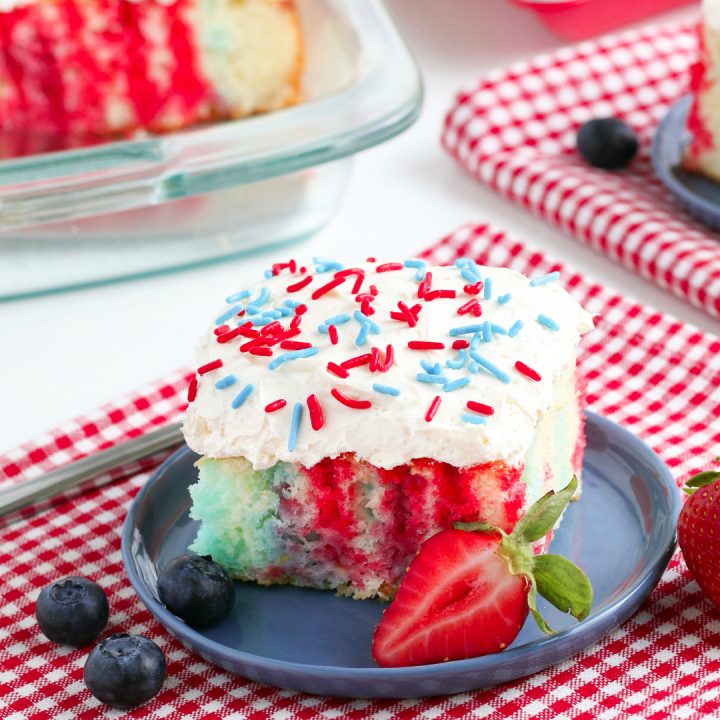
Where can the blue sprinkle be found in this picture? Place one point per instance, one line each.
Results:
(261, 320)
(237, 296)
(228, 314)
(365, 320)
(284, 311)
(242, 396)
(476, 340)
(261, 299)
(386, 389)
(498, 329)
(361, 339)
(516, 328)
(420, 265)
(274, 314)
(493, 369)
(291, 303)
(488, 289)
(323, 265)
(338, 319)
(428, 378)
(470, 275)
(456, 384)
(502, 299)
(268, 274)
(295, 426)
(226, 382)
(487, 331)
(545, 279)
(252, 310)
(473, 367)
(548, 322)
(465, 330)
(428, 367)
(474, 419)
(461, 262)
(292, 355)
(459, 362)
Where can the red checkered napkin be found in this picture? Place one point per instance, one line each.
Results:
(515, 130)
(656, 376)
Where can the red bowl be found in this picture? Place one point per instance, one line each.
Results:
(577, 19)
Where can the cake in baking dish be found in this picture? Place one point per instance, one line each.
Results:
(104, 67)
(345, 414)
(703, 151)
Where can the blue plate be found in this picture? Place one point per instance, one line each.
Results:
(622, 533)
(699, 195)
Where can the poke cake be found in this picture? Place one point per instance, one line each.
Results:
(102, 67)
(344, 414)
(703, 152)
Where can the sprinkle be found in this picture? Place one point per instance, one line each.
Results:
(420, 266)
(472, 306)
(336, 369)
(242, 396)
(473, 289)
(370, 259)
(376, 365)
(316, 414)
(363, 318)
(459, 362)
(431, 378)
(228, 314)
(359, 279)
(323, 265)
(548, 322)
(356, 361)
(493, 369)
(406, 314)
(192, 389)
(476, 340)
(386, 389)
(432, 410)
(274, 314)
(387, 267)
(338, 319)
(295, 426)
(291, 303)
(527, 370)
(456, 384)
(230, 335)
(262, 351)
(544, 279)
(425, 345)
(225, 382)
(267, 274)
(515, 329)
(361, 339)
(324, 289)
(473, 367)
(277, 268)
(260, 300)
(474, 419)
(498, 329)
(259, 321)
(295, 345)
(295, 287)
(480, 407)
(487, 332)
(488, 289)
(246, 330)
(436, 294)
(460, 344)
(469, 275)
(333, 333)
(350, 402)
(300, 309)
(424, 286)
(285, 311)
(293, 355)
(275, 405)
(222, 329)
(465, 330)
(237, 296)
(209, 367)
(502, 299)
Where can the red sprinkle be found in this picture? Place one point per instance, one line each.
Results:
(316, 414)
(387, 267)
(350, 402)
(295, 345)
(424, 286)
(247, 330)
(332, 334)
(275, 405)
(263, 351)
(528, 371)
(435, 294)
(406, 314)
(432, 410)
(295, 322)
(271, 328)
(335, 369)
(277, 268)
(366, 308)
(370, 259)
(324, 289)
(473, 289)
(425, 345)
(228, 336)
(356, 361)
(480, 408)
(373, 290)
(295, 287)
(301, 309)
(389, 358)
(208, 367)
(222, 329)
(359, 272)
(460, 344)
(192, 389)
(472, 306)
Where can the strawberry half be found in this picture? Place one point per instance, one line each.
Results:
(469, 590)
(699, 531)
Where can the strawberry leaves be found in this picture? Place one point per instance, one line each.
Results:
(540, 519)
(564, 584)
(707, 477)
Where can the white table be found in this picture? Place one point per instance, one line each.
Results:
(65, 354)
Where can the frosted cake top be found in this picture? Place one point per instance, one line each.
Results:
(390, 361)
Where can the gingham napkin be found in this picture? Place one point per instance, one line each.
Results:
(515, 130)
(647, 371)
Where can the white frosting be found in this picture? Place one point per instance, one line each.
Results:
(394, 430)
(711, 14)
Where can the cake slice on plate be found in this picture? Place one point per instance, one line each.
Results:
(346, 414)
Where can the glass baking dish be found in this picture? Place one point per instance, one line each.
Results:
(141, 206)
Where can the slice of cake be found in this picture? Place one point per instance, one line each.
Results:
(102, 67)
(345, 414)
(703, 152)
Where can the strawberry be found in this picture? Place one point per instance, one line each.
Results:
(699, 531)
(470, 588)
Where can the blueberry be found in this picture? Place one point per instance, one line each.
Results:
(607, 143)
(196, 589)
(72, 611)
(124, 670)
